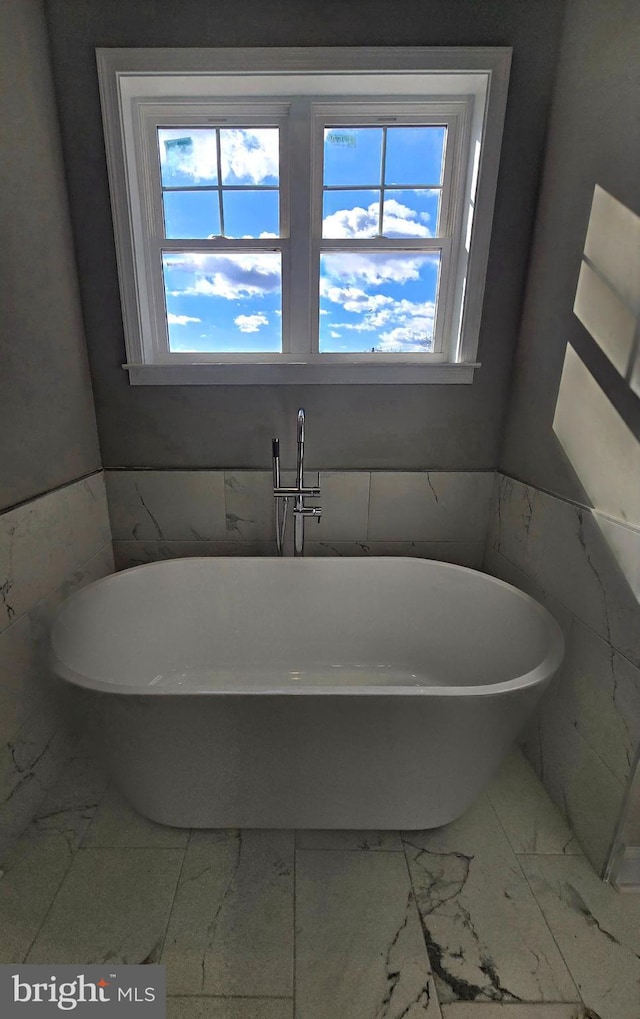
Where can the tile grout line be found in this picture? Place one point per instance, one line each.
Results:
(535, 898)
(175, 894)
(422, 926)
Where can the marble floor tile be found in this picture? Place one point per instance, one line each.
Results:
(116, 824)
(359, 950)
(498, 1010)
(32, 873)
(597, 930)
(231, 927)
(69, 806)
(113, 906)
(487, 938)
(229, 1008)
(380, 841)
(531, 821)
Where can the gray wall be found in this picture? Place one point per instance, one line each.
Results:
(594, 138)
(451, 427)
(47, 420)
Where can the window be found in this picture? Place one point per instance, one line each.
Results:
(302, 215)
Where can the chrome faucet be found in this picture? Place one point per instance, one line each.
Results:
(298, 494)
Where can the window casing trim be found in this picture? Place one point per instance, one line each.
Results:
(128, 81)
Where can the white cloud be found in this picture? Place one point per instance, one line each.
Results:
(181, 320)
(228, 276)
(248, 156)
(251, 323)
(399, 221)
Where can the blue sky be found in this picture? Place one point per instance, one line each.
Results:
(375, 182)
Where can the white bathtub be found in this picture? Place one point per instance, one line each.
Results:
(304, 693)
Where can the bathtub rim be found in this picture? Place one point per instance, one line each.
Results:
(540, 675)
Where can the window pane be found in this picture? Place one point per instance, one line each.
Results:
(249, 155)
(410, 213)
(188, 156)
(191, 214)
(382, 302)
(352, 155)
(350, 213)
(414, 155)
(223, 302)
(250, 213)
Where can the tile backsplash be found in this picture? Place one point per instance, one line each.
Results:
(433, 514)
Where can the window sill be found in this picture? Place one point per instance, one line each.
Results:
(230, 374)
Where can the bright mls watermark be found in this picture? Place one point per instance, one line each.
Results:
(98, 992)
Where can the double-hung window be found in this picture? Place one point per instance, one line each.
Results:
(302, 215)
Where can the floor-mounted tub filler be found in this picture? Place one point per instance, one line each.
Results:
(303, 693)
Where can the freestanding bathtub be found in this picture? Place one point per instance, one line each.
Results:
(303, 693)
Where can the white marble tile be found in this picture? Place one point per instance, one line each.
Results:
(496, 565)
(70, 805)
(167, 505)
(599, 694)
(249, 512)
(429, 505)
(578, 781)
(32, 872)
(345, 506)
(359, 950)
(117, 824)
(136, 553)
(45, 540)
(112, 906)
(596, 929)
(231, 927)
(485, 933)
(462, 553)
(562, 547)
(532, 823)
(500, 1011)
(380, 841)
(229, 1008)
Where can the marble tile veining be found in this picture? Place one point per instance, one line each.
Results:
(166, 505)
(363, 841)
(501, 1011)
(429, 505)
(115, 824)
(359, 949)
(231, 929)
(487, 938)
(597, 930)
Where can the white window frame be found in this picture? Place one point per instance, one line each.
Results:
(300, 90)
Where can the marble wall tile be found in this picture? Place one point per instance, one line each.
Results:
(355, 911)
(229, 1008)
(530, 820)
(599, 695)
(429, 505)
(249, 512)
(575, 776)
(562, 547)
(231, 927)
(167, 505)
(128, 554)
(45, 540)
(113, 906)
(486, 936)
(596, 929)
(345, 506)
(462, 553)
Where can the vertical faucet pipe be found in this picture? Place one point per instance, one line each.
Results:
(300, 461)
